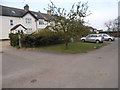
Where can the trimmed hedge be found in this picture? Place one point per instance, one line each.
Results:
(14, 41)
(42, 38)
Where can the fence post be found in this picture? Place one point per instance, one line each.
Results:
(19, 37)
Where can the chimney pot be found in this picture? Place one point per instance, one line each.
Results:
(49, 12)
(26, 7)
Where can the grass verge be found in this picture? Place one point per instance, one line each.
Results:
(76, 47)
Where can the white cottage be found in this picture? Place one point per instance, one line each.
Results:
(15, 20)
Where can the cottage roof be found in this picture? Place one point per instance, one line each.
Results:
(47, 16)
(15, 12)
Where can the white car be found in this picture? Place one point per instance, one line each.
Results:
(93, 38)
(108, 37)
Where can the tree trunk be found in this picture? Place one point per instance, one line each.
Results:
(108, 31)
(66, 44)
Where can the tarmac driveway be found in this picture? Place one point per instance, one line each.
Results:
(41, 69)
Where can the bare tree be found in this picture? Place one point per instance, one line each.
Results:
(108, 25)
(115, 25)
(69, 22)
(112, 25)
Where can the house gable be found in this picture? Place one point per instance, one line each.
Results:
(29, 12)
(18, 28)
(15, 27)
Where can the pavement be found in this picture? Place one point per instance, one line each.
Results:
(27, 68)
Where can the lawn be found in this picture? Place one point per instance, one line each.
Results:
(76, 47)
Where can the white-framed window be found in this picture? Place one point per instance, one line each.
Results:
(19, 31)
(11, 22)
(52, 23)
(29, 30)
(41, 22)
(28, 20)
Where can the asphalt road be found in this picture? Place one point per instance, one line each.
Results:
(41, 69)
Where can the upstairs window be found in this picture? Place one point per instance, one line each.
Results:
(29, 30)
(28, 20)
(11, 22)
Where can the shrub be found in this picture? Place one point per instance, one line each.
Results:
(41, 38)
(14, 41)
(28, 40)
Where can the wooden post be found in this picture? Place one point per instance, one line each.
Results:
(19, 37)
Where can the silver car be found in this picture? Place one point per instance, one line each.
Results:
(108, 37)
(93, 38)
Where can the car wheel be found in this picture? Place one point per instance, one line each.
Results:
(97, 41)
(83, 40)
(109, 39)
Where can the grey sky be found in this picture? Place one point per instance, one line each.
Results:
(102, 10)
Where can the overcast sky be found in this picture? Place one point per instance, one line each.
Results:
(102, 10)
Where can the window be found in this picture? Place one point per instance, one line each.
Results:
(19, 31)
(35, 15)
(11, 22)
(29, 30)
(28, 20)
(52, 23)
(88, 35)
(94, 36)
(107, 35)
(41, 22)
(13, 12)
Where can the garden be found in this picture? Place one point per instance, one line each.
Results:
(67, 25)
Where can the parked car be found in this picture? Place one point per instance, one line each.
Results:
(108, 37)
(97, 38)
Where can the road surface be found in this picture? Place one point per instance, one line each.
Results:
(40, 69)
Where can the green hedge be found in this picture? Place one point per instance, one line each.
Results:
(42, 38)
(14, 41)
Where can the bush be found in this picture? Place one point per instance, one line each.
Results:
(14, 41)
(41, 38)
(28, 40)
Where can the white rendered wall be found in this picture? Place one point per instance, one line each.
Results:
(6, 25)
(29, 25)
(1, 27)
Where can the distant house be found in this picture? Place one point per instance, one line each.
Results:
(92, 29)
(100, 30)
(15, 20)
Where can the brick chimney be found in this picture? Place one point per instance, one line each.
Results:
(49, 12)
(26, 7)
